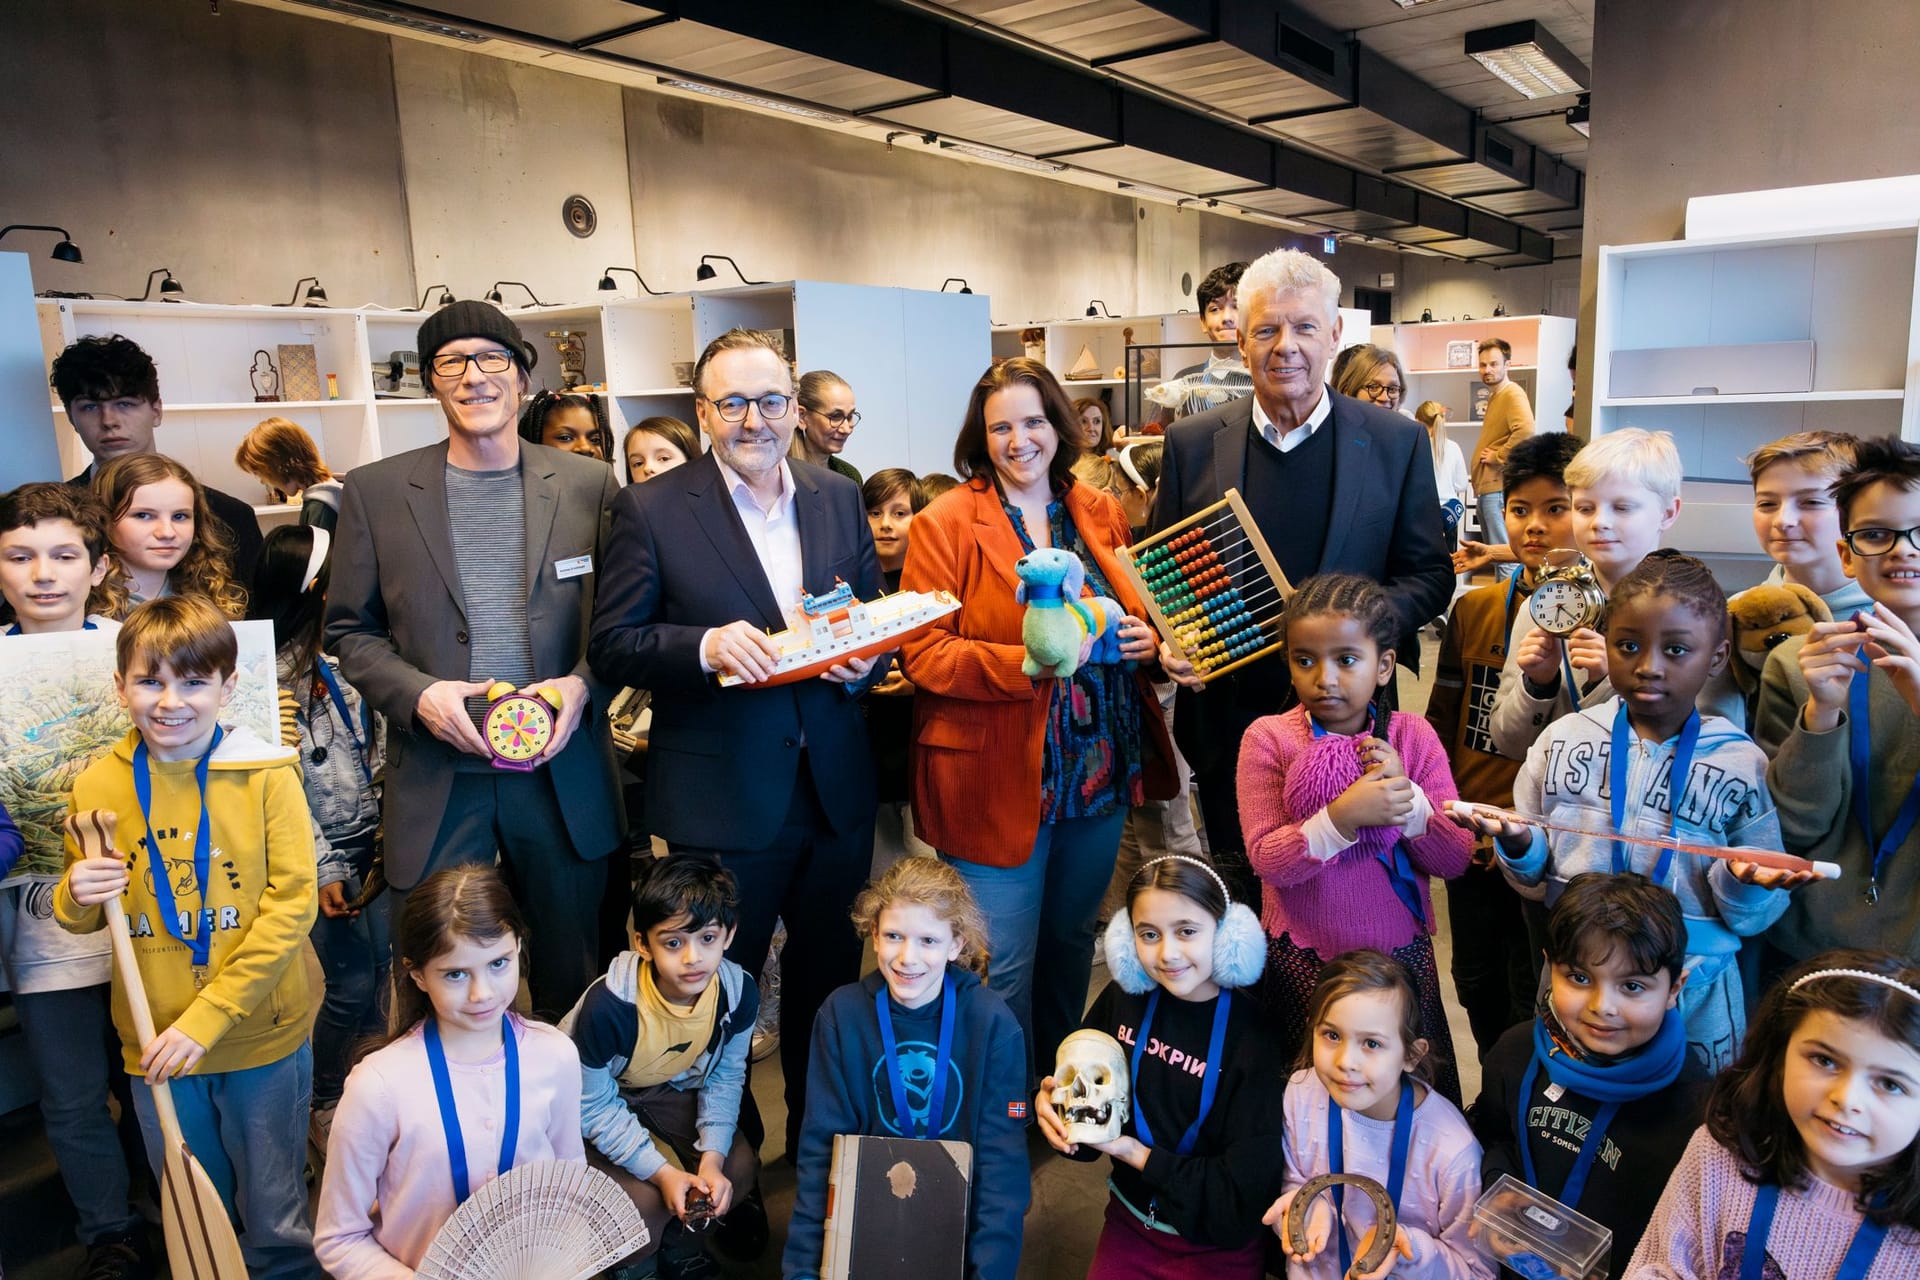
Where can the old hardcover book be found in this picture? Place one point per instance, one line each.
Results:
(897, 1207)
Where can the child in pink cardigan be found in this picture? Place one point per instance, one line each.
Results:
(1341, 806)
(1809, 1163)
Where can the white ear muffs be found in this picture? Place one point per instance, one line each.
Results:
(1123, 962)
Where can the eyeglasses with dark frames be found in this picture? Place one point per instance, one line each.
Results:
(1879, 542)
(839, 417)
(450, 365)
(772, 406)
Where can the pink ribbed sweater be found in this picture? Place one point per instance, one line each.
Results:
(1699, 1229)
(1286, 776)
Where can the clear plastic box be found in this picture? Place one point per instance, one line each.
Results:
(1537, 1237)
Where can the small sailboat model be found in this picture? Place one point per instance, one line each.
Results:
(834, 626)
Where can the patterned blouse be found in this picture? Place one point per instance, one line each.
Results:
(1093, 745)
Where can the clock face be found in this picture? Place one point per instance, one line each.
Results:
(519, 728)
(1559, 606)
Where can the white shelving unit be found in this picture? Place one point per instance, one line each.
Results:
(1541, 346)
(912, 357)
(1850, 291)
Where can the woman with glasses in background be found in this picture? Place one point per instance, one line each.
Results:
(1373, 374)
(827, 418)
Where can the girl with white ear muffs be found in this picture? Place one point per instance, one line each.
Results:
(1193, 1159)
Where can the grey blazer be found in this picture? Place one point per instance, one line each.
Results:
(396, 620)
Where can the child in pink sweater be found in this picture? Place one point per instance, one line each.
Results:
(1341, 803)
(464, 1091)
(1809, 1163)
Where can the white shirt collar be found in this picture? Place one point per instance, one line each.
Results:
(1300, 434)
(738, 486)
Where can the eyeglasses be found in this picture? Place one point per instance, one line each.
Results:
(772, 406)
(1878, 542)
(838, 418)
(1381, 391)
(455, 366)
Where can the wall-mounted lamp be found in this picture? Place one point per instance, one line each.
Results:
(315, 296)
(706, 271)
(65, 251)
(171, 290)
(608, 286)
(1099, 308)
(964, 286)
(493, 294)
(446, 296)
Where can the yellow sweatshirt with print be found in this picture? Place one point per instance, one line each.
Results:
(260, 890)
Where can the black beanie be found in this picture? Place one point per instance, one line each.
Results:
(470, 319)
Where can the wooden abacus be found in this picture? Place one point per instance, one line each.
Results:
(1213, 589)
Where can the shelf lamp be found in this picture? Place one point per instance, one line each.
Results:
(964, 286)
(1099, 308)
(706, 271)
(1528, 58)
(608, 286)
(446, 296)
(315, 295)
(171, 290)
(493, 294)
(65, 251)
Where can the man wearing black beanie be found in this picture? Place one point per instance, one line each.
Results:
(461, 564)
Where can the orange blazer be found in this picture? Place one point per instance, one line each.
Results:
(978, 721)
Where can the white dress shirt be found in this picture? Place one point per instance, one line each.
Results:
(775, 535)
(1299, 435)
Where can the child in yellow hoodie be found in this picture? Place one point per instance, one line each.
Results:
(219, 894)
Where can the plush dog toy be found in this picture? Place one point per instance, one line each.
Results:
(1057, 619)
(1763, 618)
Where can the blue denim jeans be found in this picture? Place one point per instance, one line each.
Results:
(355, 955)
(71, 1040)
(248, 1130)
(1040, 924)
(1493, 526)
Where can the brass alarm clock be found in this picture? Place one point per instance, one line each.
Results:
(518, 726)
(1569, 596)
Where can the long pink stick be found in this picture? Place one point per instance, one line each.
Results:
(1462, 811)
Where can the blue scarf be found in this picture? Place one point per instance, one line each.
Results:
(1655, 1066)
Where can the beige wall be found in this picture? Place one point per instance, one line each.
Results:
(1694, 98)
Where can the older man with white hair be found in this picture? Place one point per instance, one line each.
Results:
(1335, 485)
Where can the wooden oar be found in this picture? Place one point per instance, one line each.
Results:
(201, 1243)
(1463, 811)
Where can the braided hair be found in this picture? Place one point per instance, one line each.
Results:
(1666, 572)
(533, 419)
(1362, 599)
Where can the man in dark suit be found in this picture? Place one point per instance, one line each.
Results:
(464, 563)
(1334, 486)
(110, 390)
(774, 781)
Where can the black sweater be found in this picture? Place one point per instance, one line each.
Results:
(1216, 1195)
(1643, 1144)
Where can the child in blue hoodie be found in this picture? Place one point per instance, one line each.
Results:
(1613, 768)
(663, 1040)
(931, 944)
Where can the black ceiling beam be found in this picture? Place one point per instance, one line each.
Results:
(978, 69)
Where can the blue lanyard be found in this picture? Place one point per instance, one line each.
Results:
(1395, 862)
(937, 1100)
(1860, 762)
(202, 937)
(1396, 1162)
(1209, 1082)
(450, 1113)
(1680, 767)
(14, 630)
(346, 717)
(1576, 1183)
(1753, 1256)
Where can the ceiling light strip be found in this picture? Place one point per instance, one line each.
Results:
(755, 100)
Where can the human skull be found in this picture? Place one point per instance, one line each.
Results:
(1090, 1086)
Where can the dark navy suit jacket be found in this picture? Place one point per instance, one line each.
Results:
(721, 763)
(1384, 524)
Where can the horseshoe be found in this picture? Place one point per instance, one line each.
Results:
(1384, 1218)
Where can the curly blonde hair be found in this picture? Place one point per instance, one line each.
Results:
(929, 883)
(207, 568)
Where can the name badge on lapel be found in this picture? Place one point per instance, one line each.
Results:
(577, 567)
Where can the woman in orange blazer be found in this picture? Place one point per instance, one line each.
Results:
(1023, 784)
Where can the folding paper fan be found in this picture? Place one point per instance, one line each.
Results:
(549, 1220)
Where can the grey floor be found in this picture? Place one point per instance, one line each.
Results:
(1068, 1197)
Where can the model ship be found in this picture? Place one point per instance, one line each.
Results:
(834, 627)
